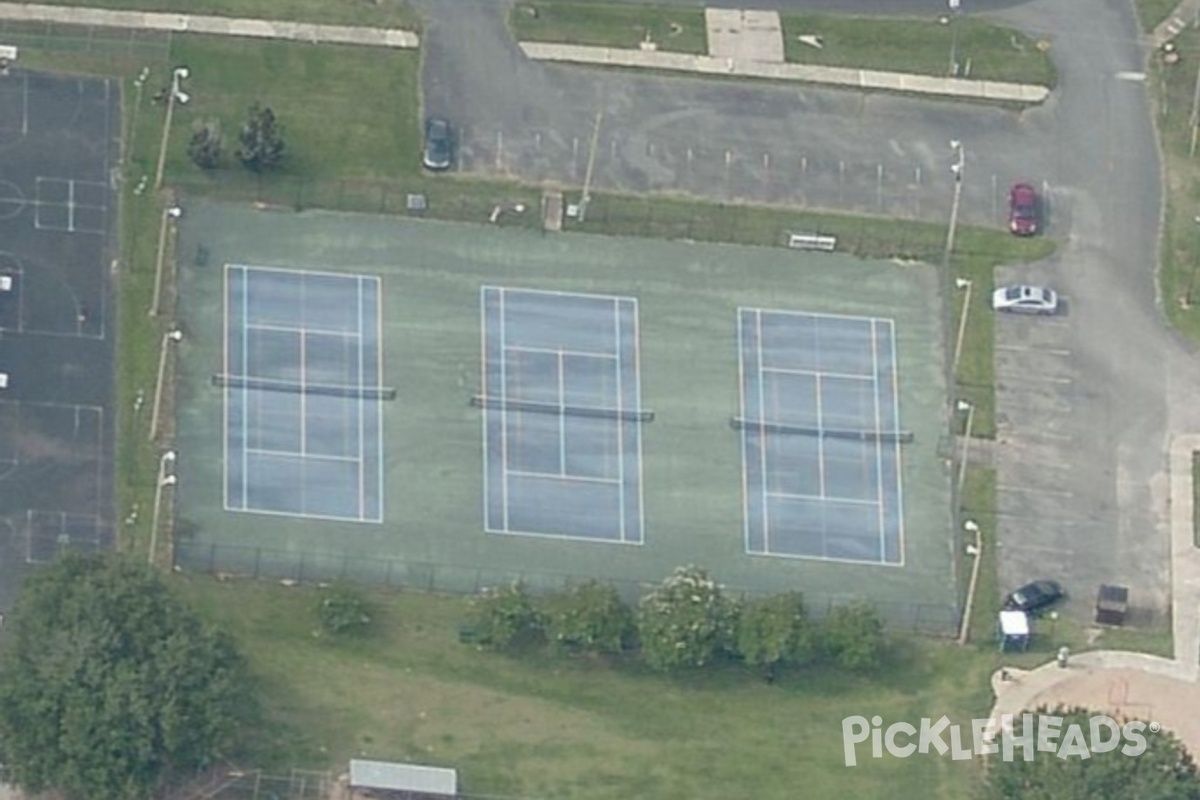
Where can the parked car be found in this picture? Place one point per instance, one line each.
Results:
(438, 144)
(1023, 299)
(1034, 597)
(1023, 210)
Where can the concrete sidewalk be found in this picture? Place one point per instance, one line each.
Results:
(861, 79)
(222, 26)
(1165, 691)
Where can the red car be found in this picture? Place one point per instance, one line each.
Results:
(1023, 210)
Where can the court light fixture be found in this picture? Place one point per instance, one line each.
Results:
(972, 550)
(170, 480)
(175, 335)
(168, 457)
(174, 212)
(963, 405)
(180, 73)
(971, 525)
(962, 283)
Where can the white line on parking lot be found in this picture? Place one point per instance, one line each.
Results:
(1033, 490)
(1021, 348)
(1025, 377)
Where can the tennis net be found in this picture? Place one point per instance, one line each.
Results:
(293, 387)
(512, 404)
(741, 423)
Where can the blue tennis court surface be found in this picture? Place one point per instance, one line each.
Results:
(302, 394)
(562, 415)
(820, 436)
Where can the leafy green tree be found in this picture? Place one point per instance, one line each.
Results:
(1165, 771)
(774, 632)
(588, 618)
(261, 140)
(110, 686)
(686, 622)
(204, 148)
(853, 637)
(505, 617)
(343, 610)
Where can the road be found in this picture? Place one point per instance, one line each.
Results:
(1085, 400)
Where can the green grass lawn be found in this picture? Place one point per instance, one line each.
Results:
(985, 51)
(372, 13)
(1151, 12)
(678, 29)
(543, 726)
(1179, 276)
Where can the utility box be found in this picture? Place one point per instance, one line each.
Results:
(1112, 604)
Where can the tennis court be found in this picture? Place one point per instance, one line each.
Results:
(452, 406)
(820, 436)
(562, 415)
(302, 394)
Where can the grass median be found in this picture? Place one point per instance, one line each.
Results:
(675, 29)
(924, 46)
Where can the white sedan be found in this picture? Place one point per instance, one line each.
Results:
(1025, 299)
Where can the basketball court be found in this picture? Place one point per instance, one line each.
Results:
(58, 144)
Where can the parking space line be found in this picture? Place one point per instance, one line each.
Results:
(1022, 377)
(1021, 348)
(1033, 490)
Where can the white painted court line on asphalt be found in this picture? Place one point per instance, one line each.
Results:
(1130, 76)
(1021, 348)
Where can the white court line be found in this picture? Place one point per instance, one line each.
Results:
(225, 391)
(503, 412)
(70, 206)
(1034, 490)
(820, 374)
(362, 407)
(550, 476)
(762, 436)
(566, 537)
(379, 376)
(620, 418)
(810, 315)
(483, 382)
(742, 411)
(293, 271)
(637, 385)
(245, 275)
(565, 352)
(878, 444)
(896, 444)
(556, 293)
(266, 326)
(258, 451)
(562, 416)
(850, 501)
(304, 392)
(820, 443)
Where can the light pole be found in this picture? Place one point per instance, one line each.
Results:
(169, 213)
(954, 7)
(176, 94)
(164, 480)
(963, 405)
(976, 551)
(172, 336)
(961, 283)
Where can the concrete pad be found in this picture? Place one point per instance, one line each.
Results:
(744, 35)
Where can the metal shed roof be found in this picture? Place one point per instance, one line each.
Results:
(403, 777)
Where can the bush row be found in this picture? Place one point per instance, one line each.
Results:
(685, 623)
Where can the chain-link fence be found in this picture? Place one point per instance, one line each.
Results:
(230, 561)
(120, 49)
